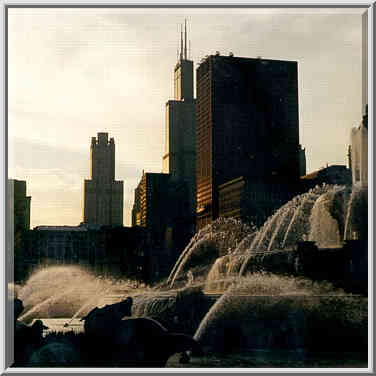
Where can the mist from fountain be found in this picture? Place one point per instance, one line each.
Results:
(219, 276)
(13, 289)
(217, 239)
(238, 256)
(319, 215)
(65, 292)
(92, 302)
(292, 220)
(356, 224)
(46, 302)
(327, 215)
(268, 311)
(299, 225)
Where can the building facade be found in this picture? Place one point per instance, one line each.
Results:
(247, 125)
(335, 174)
(165, 203)
(108, 251)
(18, 205)
(359, 152)
(103, 195)
(151, 198)
(179, 159)
(161, 206)
(18, 217)
(151, 211)
(252, 202)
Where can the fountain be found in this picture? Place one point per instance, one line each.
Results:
(215, 292)
(13, 289)
(269, 311)
(356, 225)
(63, 292)
(215, 240)
(263, 311)
(327, 215)
(178, 310)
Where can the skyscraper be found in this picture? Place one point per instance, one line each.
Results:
(359, 135)
(179, 159)
(103, 195)
(18, 226)
(247, 136)
(165, 203)
(19, 204)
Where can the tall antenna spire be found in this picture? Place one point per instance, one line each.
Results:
(181, 41)
(185, 39)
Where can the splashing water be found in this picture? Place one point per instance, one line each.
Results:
(215, 280)
(328, 218)
(299, 225)
(263, 311)
(65, 291)
(327, 214)
(46, 302)
(356, 225)
(92, 302)
(215, 240)
(314, 216)
(13, 289)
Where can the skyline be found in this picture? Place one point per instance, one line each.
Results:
(111, 70)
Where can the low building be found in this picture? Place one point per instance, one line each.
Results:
(105, 250)
(19, 204)
(162, 206)
(253, 202)
(18, 218)
(335, 174)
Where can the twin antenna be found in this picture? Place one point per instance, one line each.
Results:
(182, 55)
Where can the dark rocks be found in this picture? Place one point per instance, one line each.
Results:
(102, 322)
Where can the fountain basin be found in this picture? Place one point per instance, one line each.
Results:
(179, 311)
(292, 322)
(58, 325)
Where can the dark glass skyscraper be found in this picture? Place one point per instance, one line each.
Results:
(247, 127)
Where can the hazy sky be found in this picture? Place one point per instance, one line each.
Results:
(76, 72)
